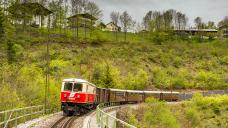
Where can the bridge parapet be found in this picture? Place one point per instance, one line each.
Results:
(106, 120)
(11, 118)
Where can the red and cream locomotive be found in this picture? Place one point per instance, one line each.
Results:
(78, 96)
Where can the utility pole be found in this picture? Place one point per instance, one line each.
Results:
(47, 69)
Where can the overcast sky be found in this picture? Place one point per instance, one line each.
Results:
(214, 10)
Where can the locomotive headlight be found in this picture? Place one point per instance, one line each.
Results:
(78, 96)
(64, 95)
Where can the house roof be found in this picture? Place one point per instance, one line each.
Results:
(223, 26)
(198, 30)
(113, 24)
(84, 15)
(102, 24)
(29, 8)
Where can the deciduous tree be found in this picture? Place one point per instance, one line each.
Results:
(93, 9)
(127, 22)
(147, 19)
(198, 22)
(115, 16)
(211, 25)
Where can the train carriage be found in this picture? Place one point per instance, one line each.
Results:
(78, 96)
(162, 95)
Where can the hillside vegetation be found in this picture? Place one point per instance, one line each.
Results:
(200, 112)
(142, 62)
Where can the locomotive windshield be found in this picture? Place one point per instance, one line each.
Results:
(75, 87)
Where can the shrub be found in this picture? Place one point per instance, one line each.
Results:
(224, 60)
(98, 37)
(160, 77)
(177, 62)
(151, 100)
(193, 116)
(207, 80)
(106, 75)
(9, 98)
(178, 82)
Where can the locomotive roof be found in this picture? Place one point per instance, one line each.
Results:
(76, 80)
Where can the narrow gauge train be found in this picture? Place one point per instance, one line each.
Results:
(78, 96)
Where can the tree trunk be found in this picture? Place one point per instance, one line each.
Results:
(116, 35)
(91, 28)
(85, 29)
(125, 36)
(77, 28)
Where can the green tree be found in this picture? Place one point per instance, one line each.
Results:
(106, 75)
(127, 23)
(93, 9)
(59, 13)
(115, 16)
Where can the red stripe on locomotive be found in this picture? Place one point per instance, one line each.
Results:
(79, 97)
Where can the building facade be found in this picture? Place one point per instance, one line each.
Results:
(81, 20)
(112, 27)
(224, 31)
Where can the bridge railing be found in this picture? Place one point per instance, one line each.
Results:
(11, 118)
(106, 120)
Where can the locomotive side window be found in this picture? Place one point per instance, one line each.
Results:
(68, 86)
(84, 87)
(77, 87)
(91, 89)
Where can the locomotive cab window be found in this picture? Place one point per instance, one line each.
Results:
(68, 86)
(77, 87)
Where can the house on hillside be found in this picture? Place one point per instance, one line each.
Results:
(224, 30)
(82, 20)
(33, 14)
(101, 26)
(112, 27)
(200, 32)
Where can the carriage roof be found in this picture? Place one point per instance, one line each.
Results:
(140, 91)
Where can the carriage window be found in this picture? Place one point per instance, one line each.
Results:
(77, 87)
(68, 86)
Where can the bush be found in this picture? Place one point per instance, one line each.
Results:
(159, 115)
(105, 75)
(193, 116)
(177, 62)
(160, 78)
(179, 82)
(9, 98)
(207, 80)
(224, 60)
(151, 100)
(98, 37)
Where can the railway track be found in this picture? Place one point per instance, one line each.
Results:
(64, 122)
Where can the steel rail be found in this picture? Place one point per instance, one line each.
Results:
(58, 122)
(64, 122)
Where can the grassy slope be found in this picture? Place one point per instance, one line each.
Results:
(137, 64)
(200, 112)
